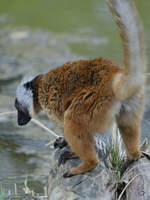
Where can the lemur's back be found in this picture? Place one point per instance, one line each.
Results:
(62, 84)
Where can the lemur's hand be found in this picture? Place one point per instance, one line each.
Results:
(60, 143)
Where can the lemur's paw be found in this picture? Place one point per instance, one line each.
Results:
(130, 160)
(60, 143)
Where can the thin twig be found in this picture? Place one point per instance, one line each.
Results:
(50, 142)
(120, 196)
(37, 122)
(44, 127)
(8, 113)
(130, 170)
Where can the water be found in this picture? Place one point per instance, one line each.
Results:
(35, 37)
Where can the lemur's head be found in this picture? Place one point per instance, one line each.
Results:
(24, 101)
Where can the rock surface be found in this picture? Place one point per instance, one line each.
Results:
(92, 185)
(137, 180)
(100, 183)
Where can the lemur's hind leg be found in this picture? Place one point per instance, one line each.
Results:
(129, 123)
(131, 138)
(82, 143)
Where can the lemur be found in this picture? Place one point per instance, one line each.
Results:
(86, 96)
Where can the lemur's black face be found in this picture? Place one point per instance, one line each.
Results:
(23, 114)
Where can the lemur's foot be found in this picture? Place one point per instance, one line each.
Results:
(60, 143)
(134, 156)
(66, 156)
(82, 168)
(130, 160)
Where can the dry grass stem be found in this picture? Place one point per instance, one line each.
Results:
(50, 143)
(8, 113)
(120, 196)
(130, 170)
(37, 122)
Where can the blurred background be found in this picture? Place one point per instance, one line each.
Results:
(36, 36)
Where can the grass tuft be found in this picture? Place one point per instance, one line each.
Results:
(115, 158)
(116, 151)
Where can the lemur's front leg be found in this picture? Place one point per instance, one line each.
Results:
(66, 155)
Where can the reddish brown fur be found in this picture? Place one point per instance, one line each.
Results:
(79, 88)
(80, 95)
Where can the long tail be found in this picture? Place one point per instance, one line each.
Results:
(133, 78)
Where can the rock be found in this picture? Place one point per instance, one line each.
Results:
(136, 179)
(91, 185)
(101, 182)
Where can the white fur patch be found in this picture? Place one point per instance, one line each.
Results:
(117, 78)
(27, 79)
(25, 96)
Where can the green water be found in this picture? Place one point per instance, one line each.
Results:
(88, 18)
(52, 32)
